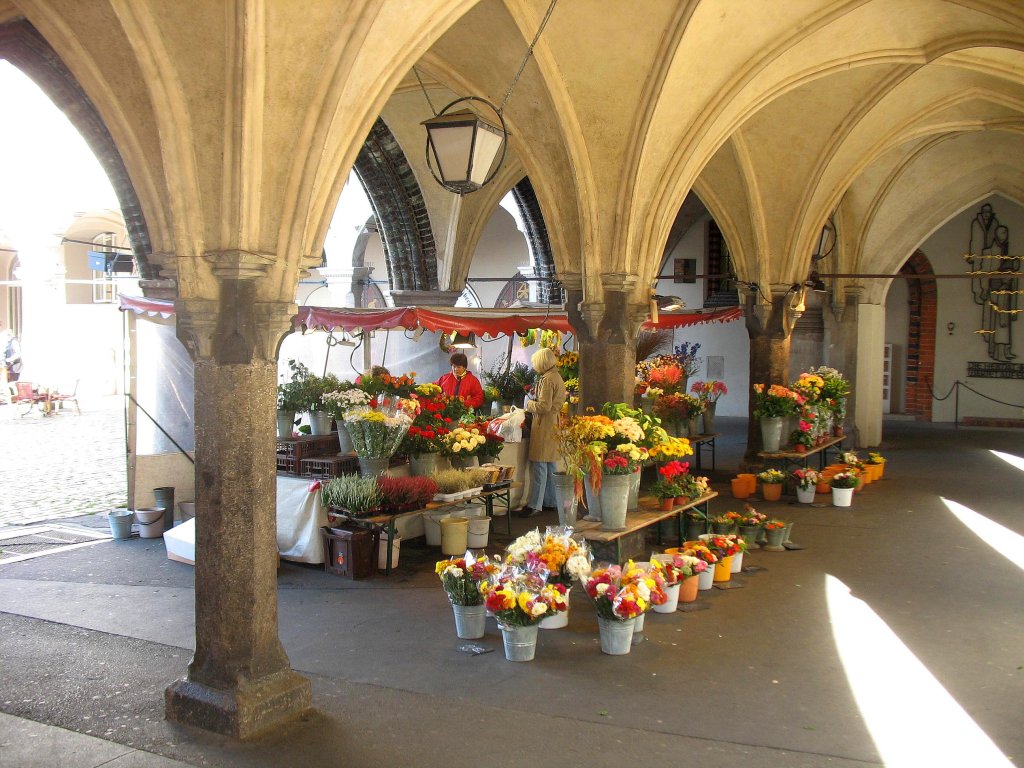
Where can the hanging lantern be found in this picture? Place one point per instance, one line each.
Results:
(465, 149)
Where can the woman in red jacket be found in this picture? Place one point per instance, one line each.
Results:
(462, 383)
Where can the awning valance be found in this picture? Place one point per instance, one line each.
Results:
(491, 322)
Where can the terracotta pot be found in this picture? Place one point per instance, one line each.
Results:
(688, 590)
(800, 448)
(666, 504)
(739, 488)
(681, 500)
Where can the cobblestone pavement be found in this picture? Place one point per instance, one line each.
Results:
(63, 465)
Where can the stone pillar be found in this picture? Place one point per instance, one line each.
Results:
(239, 681)
(867, 412)
(607, 355)
(770, 327)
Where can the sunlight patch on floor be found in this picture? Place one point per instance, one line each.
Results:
(912, 719)
(1010, 459)
(1007, 543)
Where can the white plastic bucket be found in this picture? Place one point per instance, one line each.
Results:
(479, 530)
(432, 527)
(454, 535)
(151, 522)
(382, 551)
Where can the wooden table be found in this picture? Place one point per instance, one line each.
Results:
(703, 443)
(791, 459)
(648, 513)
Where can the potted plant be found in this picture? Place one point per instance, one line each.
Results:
(750, 525)
(709, 392)
(352, 495)
(377, 431)
(771, 484)
(339, 402)
(724, 548)
(290, 398)
(771, 405)
(403, 494)
(802, 437)
(843, 485)
(806, 482)
(834, 391)
(313, 391)
(699, 550)
(462, 579)
(876, 464)
(774, 531)
(462, 445)
(725, 523)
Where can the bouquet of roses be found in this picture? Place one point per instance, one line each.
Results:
(675, 568)
(515, 600)
(613, 599)
(463, 577)
(805, 478)
(463, 442)
(648, 577)
(809, 385)
(420, 440)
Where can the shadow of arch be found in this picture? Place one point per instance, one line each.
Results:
(23, 46)
(922, 297)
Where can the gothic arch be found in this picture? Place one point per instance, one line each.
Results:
(922, 298)
(537, 240)
(402, 218)
(23, 46)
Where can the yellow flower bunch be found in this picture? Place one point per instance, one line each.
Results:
(671, 448)
(634, 452)
(572, 385)
(428, 390)
(550, 339)
(373, 416)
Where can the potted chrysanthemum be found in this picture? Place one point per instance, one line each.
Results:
(462, 579)
(771, 484)
(843, 485)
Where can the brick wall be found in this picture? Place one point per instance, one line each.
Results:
(921, 337)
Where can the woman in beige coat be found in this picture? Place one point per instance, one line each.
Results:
(549, 395)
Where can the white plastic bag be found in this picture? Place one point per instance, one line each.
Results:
(509, 426)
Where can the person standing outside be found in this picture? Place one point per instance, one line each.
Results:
(549, 396)
(461, 383)
(12, 356)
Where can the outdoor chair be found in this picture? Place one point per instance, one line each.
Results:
(61, 398)
(27, 396)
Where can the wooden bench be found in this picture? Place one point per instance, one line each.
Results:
(648, 513)
(702, 443)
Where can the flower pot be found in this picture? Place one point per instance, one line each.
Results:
(749, 534)
(739, 488)
(470, 621)
(771, 491)
(672, 603)
(373, 467)
(706, 578)
(722, 528)
(681, 501)
(823, 486)
(774, 538)
(688, 589)
(558, 620)
(633, 501)
(151, 522)
(285, 424)
(421, 464)
(771, 433)
(693, 527)
(344, 439)
(693, 426)
(462, 462)
(709, 418)
(842, 497)
(520, 642)
(614, 499)
(665, 505)
(723, 569)
(319, 423)
(751, 481)
(593, 501)
(120, 521)
(565, 498)
(737, 562)
(454, 536)
(800, 448)
(616, 635)
(805, 495)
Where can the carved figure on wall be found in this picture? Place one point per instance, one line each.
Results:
(998, 296)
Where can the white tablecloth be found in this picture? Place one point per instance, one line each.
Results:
(299, 517)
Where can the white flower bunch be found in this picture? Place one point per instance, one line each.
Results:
(629, 428)
(578, 566)
(529, 542)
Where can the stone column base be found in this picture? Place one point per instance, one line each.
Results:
(242, 713)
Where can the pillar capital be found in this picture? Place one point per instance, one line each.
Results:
(235, 329)
(620, 282)
(571, 281)
(240, 264)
